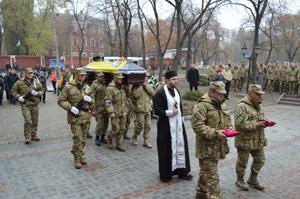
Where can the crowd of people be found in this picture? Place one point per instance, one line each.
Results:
(116, 104)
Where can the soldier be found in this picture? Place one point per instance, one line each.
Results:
(130, 114)
(28, 92)
(212, 73)
(209, 118)
(235, 78)
(282, 78)
(248, 118)
(115, 103)
(141, 101)
(76, 99)
(242, 76)
(102, 119)
(291, 79)
(270, 78)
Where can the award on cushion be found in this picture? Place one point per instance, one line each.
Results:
(231, 133)
(269, 123)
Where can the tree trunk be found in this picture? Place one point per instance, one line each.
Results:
(176, 61)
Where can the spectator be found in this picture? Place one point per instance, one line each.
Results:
(7, 66)
(261, 78)
(193, 77)
(43, 80)
(53, 79)
(226, 72)
(9, 81)
(1, 87)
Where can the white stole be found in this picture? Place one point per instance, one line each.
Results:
(176, 130)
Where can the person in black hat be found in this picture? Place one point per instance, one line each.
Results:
(172, 145)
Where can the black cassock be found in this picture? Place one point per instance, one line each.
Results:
(164, 148)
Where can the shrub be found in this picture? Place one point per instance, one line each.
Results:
(192, 95)
(204, 80)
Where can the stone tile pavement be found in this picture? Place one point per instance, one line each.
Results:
(45, 169)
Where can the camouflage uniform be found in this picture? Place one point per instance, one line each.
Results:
(251, 140)
(130, 114)
(235, 78)
(115, 103)
(102, 118)
(270, 78)
(242, 76)
(73, 96)
(141, 101)
(212, 73)
(291, 79)
(209, 116)
(282, 79)
(30, 109)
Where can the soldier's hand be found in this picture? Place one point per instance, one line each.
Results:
(34, 93)
(175, 110)
(74, 110)
(21, 99)
(262, 124)
(113, 115)
(87, 98)
(221, 135)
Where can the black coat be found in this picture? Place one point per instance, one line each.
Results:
(164, 139)
(193, 76)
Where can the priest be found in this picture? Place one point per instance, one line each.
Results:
(172, 145)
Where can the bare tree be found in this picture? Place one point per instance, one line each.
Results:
(81, 18)
(142, 33)
(256, 10)
(156, 33)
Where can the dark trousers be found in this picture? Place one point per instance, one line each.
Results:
(43, 97)
(54, 86)
(193, 85)
(1, 95)
(227, 88)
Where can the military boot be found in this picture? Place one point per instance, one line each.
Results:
(97, 140)
(109, 142)
(252, 181)
(202, 195)
(83, 160)
(120, 147)
(147, 144)
(126, 137)
(77, 163)
(34, 137)
(134, 140)
(241, 183)
(27, 140)
(103, 140)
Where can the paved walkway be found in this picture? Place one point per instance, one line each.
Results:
(45, 169)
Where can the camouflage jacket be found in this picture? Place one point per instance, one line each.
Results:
(235, 73)
(72, 95)
(141, 98)
(207, 119)
(99, 93)
(271, 73)
(242, 72)
(247, 116)
(23, 87)
(292, 75)
(115, 100)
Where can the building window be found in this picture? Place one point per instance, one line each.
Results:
(75, 54)
(92, 54)
(93, 28)
(84, 54)
(93, 42)
(85, 41)
(101, 45)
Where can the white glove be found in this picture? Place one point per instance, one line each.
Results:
(74, 110)
(21, 99)
(87, 98)
(34, 93)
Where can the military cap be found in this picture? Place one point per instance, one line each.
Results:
(219, 86)
(28, 70)
(99, 74)
(118, 75)
(256, 88)
(80, 71)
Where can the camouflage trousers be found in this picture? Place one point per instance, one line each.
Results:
(142, 122)
(241, 83)
(79, 132)
(270, 85)
(129, 116)
(282, 86)
(235, 84)
(118, 125)
(292, 86)
(208, 180)
(242, 160)
(31, 116)
(102, 120)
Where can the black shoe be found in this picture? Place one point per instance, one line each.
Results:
(166, 180)
(103, 140)
(97, 141)
(89, 136)
(186, 177)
